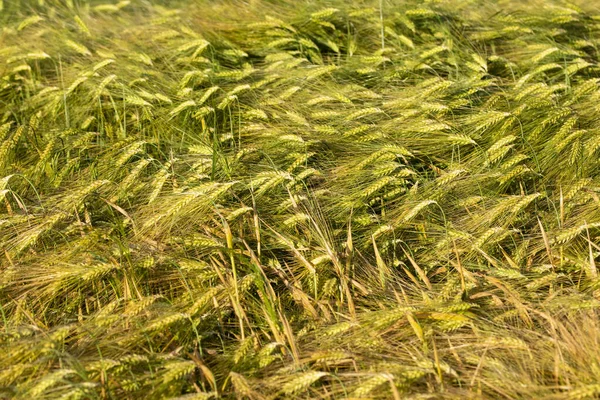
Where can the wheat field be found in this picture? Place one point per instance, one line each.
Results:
(279, 199)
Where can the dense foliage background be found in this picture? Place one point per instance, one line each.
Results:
(282, 199)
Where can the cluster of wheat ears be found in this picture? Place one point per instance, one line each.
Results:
(279, 199)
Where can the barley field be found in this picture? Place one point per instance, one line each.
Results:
(293, 199)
